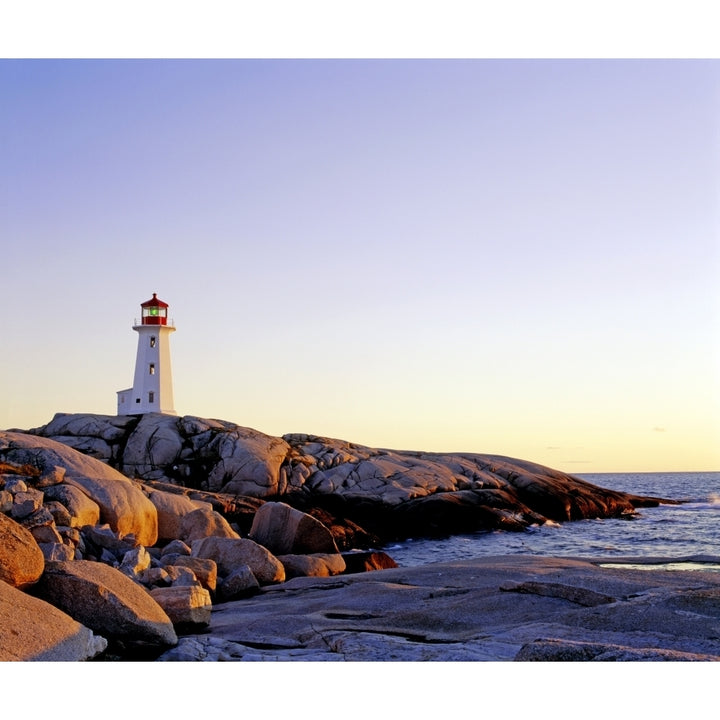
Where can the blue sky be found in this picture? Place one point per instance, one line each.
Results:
(514, 257)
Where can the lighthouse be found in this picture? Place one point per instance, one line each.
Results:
(152, 389)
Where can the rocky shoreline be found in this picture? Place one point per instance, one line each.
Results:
(158, 537)
(389, 494)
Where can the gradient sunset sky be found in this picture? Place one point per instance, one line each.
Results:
(517, 257)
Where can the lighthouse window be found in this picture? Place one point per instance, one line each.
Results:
(154, 312)
(151, 397)
(152, 341)
(152, 368)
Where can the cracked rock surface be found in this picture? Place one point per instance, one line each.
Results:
(524, 608)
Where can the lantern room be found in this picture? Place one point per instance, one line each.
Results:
(154, 311)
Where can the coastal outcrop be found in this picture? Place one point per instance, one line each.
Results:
(368, 493)
(136, 530)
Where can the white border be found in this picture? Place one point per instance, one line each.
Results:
(347, 28)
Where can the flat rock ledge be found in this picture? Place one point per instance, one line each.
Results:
(511, 608)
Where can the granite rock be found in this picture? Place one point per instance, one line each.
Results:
(384, 494)
(231, 553)
(187, 606)
(313, 565)
(122, 504)
(34, 630)
(21, 560)
(285, 530)
(494, 609)
(105, 600)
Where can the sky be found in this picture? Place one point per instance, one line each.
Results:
(517, 257)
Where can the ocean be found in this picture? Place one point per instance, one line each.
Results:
(674, 532)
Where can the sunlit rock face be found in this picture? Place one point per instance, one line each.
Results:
(313, 565)
(202, 523)
(209, 454)
(34, 630)
(21, 560)
(189, 607)
(231, 553)
(171, 509)
(105, 600)
(122, 504)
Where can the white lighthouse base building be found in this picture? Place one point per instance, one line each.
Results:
(152, 389)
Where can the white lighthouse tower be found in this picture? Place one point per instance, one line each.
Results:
(152, 389)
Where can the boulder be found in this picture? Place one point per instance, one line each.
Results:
(51, 476)
(187, 607)
(21, 560)
(367, 560)
(122, 504)
(285, 530)
(175, 547)
(37, 519)
(203, 523)
(15, 485)
(81, 509)
(205, 569)
(70, 536)
(99, 538)
(34, 630)
(45, 534)
(171, 508)
(316, 565)
(154, 577)
(103, 599)
(59, 512)
(6, 501)
(135, 561)
(181, 576)
(26, 503)
(57, 552)
(240, 583)
(231, 553)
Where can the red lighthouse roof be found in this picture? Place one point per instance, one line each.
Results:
(154, 302)
(154, 311)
